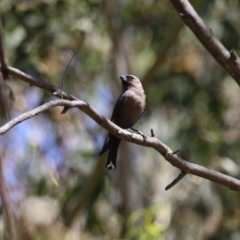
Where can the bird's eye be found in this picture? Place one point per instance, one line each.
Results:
(130, 77)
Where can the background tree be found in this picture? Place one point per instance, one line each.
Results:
(57, 185)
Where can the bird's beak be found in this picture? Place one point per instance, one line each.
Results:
(123, 78)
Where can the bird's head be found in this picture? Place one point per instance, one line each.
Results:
(130, 81)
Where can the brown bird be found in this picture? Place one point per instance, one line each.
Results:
(128, 109)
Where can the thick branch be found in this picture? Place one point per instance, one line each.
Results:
(153, 142)
(227, 59)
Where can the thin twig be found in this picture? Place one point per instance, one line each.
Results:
(172, 153)
(164, 150)
(65, 71)
(176, 180)
(152, 133)
(40, 83)
(6, 203)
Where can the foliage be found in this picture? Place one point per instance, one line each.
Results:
(50, 161)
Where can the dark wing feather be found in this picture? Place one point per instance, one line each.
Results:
(118, 105)
(106, 146)
(116, 109)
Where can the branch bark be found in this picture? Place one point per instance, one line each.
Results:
(5, 73)
(227, 59)
(9, 217)
(123, 134)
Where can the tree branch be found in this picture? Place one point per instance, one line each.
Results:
(176, 180)
(9, 217)
(227, 59)
(5, 90)
(5, 73)
(123, 134)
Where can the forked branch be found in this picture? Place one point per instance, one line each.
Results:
(164, 150)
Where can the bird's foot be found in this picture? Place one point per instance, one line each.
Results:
(133, 130)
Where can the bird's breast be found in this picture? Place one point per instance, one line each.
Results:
(131, 110)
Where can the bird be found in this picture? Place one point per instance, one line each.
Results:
(128, 109)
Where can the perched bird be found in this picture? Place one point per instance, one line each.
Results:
(128, 109)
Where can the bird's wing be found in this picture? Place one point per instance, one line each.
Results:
(116, 109)
(121, 100)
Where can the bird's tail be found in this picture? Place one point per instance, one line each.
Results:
(106, 146)
(112, 155)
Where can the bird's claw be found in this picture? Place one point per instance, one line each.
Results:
(132, 130)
